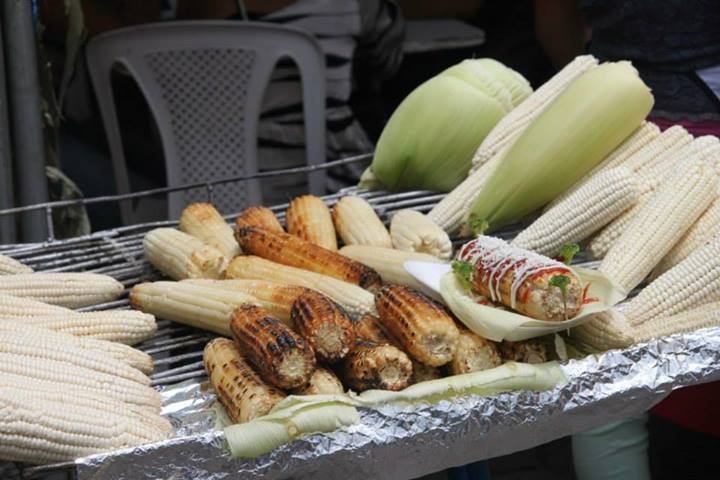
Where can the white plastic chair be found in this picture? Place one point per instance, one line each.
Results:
(204, 83)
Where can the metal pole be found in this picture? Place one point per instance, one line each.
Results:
(25, 114)
(7, 197)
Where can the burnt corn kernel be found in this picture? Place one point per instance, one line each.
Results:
(280, 355)
(372, 366)
(422, 327)
(369, 327)
(238, 387)
(324, 325)
(474, 353)
(309, 218)
(295, 252)
(322, 382)
(258, 216)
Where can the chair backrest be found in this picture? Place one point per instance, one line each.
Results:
(204, 83)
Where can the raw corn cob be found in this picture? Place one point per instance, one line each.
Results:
(606, 238)
(119, 352)
(533, 350)
(370, 365)
(532, 284)
(296, 252)
(513, 124)
(42, 429)
(370, 328)
(9, 266)
(71, 290)
(308, 217)
(388, 263)
(352, 298)
(24, 343)
(204, 222)
(123, 326)
(638, 141)
(324, 325)
(702, 317)
(322, 382)
(89, 398)
(240, 390)
(276, 298)
(423, 328)
(667, 143)
(259, 216)
(195, 305)
(604, 331)
(411, 231)
(689, 284)
(358, 224)
(72, 376)
(473, 354)
(662, 221)
(282, 357)
(179, 255)
(603, 198)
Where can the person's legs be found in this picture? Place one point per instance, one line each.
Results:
(615, 451)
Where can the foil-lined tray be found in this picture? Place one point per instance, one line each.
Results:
(403, 441)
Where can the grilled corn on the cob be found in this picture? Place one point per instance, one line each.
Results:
(203, 221)
(358, 224)
(352, 298)
(322, 382)
(308, 217)
(281, 356)
(324, 325)
(411, 231)
(370, 365)
(296, 252)
(71, 290)
(473, 354)
(423, 328)
(533, 350)
(240, 390)
(259, 216)
(179, 255)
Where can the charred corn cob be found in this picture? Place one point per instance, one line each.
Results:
(119, 352)
(123, 326)
(324, 325)
(513, 124)
(423, 328)
(532, 284)
(240, 390)
(71, 290)
(9, 266)
(259, 216)
(702, 317)
(296, 252)
(533, 350)
(370, 366)
(473, 354)
(660, 223)
(592, 206)
(604, 331)
(388, 263)
(179, 255)
(73, 375)
(322, 382)
(195, 305)
(276, 298)
(43, 429)
(689, 284)
(369, 327)
(352, 298)
(204, 222)
(358, 224)
(308, 217)
(411, 231)
(282, 357)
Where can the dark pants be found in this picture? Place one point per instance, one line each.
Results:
(676, 452)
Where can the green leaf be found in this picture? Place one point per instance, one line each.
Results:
(464, 271)
(568, 252)
(478, 226)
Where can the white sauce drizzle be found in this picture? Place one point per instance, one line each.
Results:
(497, 258)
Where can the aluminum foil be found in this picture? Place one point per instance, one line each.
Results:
(401, 441)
